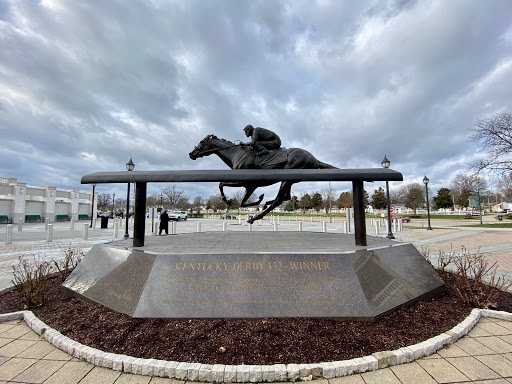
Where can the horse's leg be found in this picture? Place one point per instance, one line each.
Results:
(228, 184)
(255, 203)
(249, 189)
(221, 189)
(267, 203)
(287, 194)
(284, 190)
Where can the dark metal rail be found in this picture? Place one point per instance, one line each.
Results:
(141, 178)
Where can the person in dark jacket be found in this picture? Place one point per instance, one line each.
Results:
(164, 223)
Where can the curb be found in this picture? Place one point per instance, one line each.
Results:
(220, 373)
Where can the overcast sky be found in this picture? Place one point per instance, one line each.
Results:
(84, 85)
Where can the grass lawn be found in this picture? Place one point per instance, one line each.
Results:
(497, 225)
(367, 215)
(441, 217)
(425, 227)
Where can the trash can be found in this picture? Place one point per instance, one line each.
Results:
(104, 221)
(500, 217)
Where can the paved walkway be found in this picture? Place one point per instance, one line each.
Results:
(494, 243)
(484, 355)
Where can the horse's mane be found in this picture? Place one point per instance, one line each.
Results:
(220, 139)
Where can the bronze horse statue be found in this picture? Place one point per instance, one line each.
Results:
(241, 156)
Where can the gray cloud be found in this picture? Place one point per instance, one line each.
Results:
(86, 85)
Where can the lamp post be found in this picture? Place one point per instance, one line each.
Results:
(385, 164)
(113, 205)
(162, 200)
(92, 204)
(330, 205)
(425, 181)
(129, 167)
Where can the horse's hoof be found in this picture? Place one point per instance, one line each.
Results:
(262, 196)
(250, 221)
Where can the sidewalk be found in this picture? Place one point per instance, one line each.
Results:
(495, 244)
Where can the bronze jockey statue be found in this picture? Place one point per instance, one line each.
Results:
(262, 152)
(263, 140)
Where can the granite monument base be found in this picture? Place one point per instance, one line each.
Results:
(359, 284)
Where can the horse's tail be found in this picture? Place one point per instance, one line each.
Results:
(322, 165)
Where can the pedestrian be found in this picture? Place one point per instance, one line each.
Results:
(164, 223)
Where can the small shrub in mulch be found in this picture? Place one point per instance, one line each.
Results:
(475, 280)
(30, 278)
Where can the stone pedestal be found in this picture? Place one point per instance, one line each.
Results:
(357, 284)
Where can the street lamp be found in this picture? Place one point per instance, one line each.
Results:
(129, 167)
(385, 164)
(330, 205)
(113, 204)
(162, 200)
(92, 203)
(425, 181)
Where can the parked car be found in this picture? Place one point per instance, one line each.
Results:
(404, 219)
(178, 215)
(228, 216)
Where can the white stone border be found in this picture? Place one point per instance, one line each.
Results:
(219, 373)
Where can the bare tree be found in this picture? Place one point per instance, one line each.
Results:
(469, 182)
(328, 199)
(198, 203)
(462, 186)
(172, 195)
(183, 203)
(120, 203)
(153, 200)
(216, 203)
(494, 135)
(104, 201)
(398, 196)
(505, 186)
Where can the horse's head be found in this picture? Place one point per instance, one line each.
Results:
(202, 148)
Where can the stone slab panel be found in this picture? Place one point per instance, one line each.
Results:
(357, 285)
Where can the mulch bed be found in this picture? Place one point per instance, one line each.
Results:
(264, 341)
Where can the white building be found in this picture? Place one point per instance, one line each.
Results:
(18, 200)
